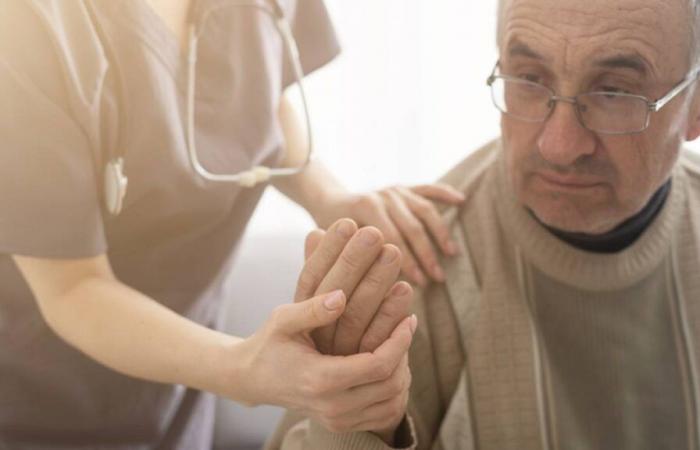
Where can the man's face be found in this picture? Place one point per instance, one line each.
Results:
(571, 178)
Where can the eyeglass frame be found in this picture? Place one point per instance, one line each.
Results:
(652, 106)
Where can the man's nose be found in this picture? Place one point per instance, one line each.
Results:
(564, 139)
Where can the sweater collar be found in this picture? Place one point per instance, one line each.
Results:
(583, 269)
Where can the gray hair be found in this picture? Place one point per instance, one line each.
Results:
(695, 32)
(694, 6)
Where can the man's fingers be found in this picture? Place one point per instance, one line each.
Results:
(323, 258)
(366, 300)
(392, 311)
(312, 241)
(349, 268)
(440, 192)
(426, 211)
(414, 232)
(308, 315)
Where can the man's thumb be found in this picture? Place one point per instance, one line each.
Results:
(312, 313)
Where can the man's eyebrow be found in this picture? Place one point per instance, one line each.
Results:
(630, 61)
(517, 48)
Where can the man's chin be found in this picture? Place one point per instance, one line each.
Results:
(570, 220)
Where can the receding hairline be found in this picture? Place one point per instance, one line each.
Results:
(694, 5)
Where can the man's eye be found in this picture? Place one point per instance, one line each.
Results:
(531, 77)
(614, 90)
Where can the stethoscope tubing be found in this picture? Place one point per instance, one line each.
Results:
(259, 174)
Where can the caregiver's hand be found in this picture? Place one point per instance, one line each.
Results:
(406, 216)
(343, 393)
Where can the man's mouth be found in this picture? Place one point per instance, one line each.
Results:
(567, 182)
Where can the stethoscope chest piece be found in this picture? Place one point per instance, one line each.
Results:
(115, 186)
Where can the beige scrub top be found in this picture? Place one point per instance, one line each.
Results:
(177, 234)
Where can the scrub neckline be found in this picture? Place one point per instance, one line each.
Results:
(141, 19)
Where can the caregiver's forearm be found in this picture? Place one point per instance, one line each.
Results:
(133, 334)
(314, 187)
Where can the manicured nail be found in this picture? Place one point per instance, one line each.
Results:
(369, 237)
(413, 322)
(334, 300)
(400, 289)
(345, 229)
(389, 255)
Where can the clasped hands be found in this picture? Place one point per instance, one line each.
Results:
(361, 265)
(339, 354)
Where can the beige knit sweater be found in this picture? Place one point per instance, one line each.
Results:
(482, 375)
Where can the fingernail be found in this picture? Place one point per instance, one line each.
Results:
(345, 229)
(413, 322)
(400, 289)
(438, 273)
(388, 255)
(334, 300)
(369, 237)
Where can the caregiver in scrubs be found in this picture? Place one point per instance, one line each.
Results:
(109, 306)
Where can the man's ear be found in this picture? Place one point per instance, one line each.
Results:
(693, 131)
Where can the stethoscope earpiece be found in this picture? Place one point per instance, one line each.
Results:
(115, 186)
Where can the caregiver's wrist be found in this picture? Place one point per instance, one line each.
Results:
(318, 192)
(231, 371)
(328, 206)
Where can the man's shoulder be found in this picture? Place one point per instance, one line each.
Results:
(469, 177)
(469, 173)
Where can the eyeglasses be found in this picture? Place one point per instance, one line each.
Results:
(602, 112)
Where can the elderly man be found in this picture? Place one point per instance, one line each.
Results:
(571, 319)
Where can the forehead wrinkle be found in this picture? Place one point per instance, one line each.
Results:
(522, 24)
(527, 32)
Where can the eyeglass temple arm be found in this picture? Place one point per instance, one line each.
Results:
(683, 85)
(491, 77)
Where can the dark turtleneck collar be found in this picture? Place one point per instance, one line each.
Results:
(624, 235)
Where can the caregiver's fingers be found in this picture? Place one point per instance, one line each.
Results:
(414, 231)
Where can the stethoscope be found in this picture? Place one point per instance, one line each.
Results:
(116, 182)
